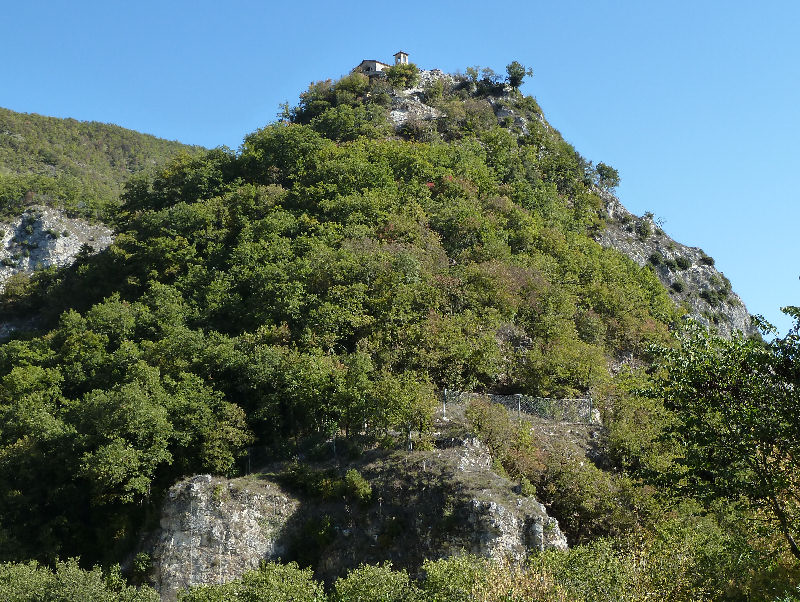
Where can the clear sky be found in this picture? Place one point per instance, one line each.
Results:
(696, 103)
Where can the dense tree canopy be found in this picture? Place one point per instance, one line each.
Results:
(737, 425)
(326, 278)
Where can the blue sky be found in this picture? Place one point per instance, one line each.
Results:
(695, 103)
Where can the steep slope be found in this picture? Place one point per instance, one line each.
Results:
(687, 272)
(326, 280)
(422, 505)
(323, 284)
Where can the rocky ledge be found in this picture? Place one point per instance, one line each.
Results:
(43, 237)
(688, 273)
(423, 504)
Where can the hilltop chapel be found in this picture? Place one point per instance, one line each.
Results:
(373, 68)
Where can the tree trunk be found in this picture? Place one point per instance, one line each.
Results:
(785, 529)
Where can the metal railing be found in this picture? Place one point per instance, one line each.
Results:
(579, 410)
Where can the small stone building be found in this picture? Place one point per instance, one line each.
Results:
(373, 68)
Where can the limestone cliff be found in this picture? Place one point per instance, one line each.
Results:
(213, 529)
(424, 504)
(687, 272)
(43, 237)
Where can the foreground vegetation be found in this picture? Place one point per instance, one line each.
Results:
(326, 280)
(705, 569)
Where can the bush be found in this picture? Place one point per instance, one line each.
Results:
(369, 583)
(273, 581)
(706, 259)
(402, 76)
(454, 579)
(67, 583)
(677, 286)
(684, 263)
(526, 488)
(357, 488)
(712, 297)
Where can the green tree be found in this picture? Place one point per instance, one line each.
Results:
(607, 176)
(736, 406)
(370, 583)
(67, 583)
(402, 75)
(516, 74)
(273, 581)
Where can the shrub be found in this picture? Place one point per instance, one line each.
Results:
(677, 286)
(526, 488)
(706, 259)
(273, 581)
(683, 262)
(712, 297)
(356, 83)
(402, 76)
(369, 583)
(434, 90)
(32, 583)
(357, 487)
(454, 579)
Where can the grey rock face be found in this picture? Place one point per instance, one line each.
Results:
(500, 531)
(408, 105)
(427, 504)
(494, 524)
(687, 272)
(43, 237)
(212, 530)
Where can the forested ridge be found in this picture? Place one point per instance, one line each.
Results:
(328, 279)
(75, 165)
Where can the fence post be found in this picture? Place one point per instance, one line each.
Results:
(519, 405)
(444, 404)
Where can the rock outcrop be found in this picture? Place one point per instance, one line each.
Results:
(409, 105)
(687, 272)
(43, 237)
(213, 529)
(424, 504)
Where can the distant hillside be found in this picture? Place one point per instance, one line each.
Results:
(77, 165)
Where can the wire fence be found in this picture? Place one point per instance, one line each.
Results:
(578, 410)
